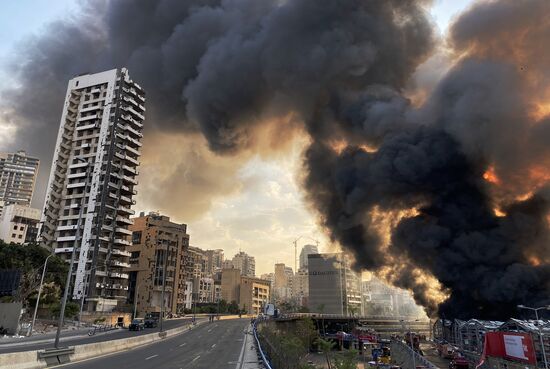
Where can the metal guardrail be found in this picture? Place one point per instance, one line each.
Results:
(418, 358)
(262, 354)
(56, 356)
(102, 328)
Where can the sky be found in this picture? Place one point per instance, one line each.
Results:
(262, 211)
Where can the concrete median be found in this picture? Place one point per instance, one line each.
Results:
(30, 360)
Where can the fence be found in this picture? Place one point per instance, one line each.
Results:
(403, 355)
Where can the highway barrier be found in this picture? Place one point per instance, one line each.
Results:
(265, 361)
(33, 360)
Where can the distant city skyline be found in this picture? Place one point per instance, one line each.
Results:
(257, 206)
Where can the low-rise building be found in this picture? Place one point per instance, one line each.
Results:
(250, 293)
(19, 224)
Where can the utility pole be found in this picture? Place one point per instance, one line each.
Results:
(75, 244)
(163, 284)
(135, 299)
(39, 292)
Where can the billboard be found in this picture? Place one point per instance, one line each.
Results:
(510, 345)
(9, 282)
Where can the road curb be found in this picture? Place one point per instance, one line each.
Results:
(31, 360)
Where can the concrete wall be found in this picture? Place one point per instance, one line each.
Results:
(29, 359)
(9, 316)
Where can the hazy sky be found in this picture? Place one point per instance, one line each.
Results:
(262, 213)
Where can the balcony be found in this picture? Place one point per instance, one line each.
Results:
(130, 180)
(120, 252)
(120, 241)
(120, 264)
(89, 117)
(66, 238)
(123, 220)
(123, 231)
(126, 210)
(119, 275)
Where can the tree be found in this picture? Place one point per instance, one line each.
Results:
(346, 360)
(29, 259)
(71, 309)
(326, 347)
(233, 307)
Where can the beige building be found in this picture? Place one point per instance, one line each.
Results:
(250, 293)
(300, 287)
(245, 263)
(18, 224)
(157, 252)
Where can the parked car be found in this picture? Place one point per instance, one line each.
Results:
(137, 325)
(152, 320)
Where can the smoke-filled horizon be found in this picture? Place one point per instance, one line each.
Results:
(447, 197)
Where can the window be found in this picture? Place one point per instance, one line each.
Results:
(15, 227)
(13, 235)
(136, 237)
(21, 228)
(20, 236)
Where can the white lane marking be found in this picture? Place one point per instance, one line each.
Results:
(241, 356)
(210, 330)
(183, 344)
(214, 345)
(150, 357)
(195, 359)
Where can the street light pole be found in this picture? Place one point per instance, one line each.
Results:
(536, 310)
(73, 253)
(39, 292)
(163, 285)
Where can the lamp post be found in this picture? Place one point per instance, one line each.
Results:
(536, 310)
(73, 252)
(39, 292)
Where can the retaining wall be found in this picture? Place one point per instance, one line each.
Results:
(29, 359)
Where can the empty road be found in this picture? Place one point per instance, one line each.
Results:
(70, 338)
(211, 345)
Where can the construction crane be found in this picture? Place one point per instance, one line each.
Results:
(296, 249)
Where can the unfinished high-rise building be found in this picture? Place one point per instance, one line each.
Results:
(92, 183)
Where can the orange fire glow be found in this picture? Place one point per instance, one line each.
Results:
(534, 261)
(491, 176)
(499, 213)
(540, 111)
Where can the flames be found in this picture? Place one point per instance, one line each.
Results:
(491, 176)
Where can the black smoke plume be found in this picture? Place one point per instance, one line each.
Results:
(227, 69)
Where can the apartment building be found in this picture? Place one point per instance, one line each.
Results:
(300, 287)
(245, 263)
(17, 178)
(19, 224)
(334, 287)
(250, 293)
(214, 261)
(156, 274)
(253, 294)
(92, 184)
(282, 283)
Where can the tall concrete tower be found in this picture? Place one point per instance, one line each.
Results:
(17, 176)
(91, 186)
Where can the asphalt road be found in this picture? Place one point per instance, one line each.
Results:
(69, 338)
(211, 345)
